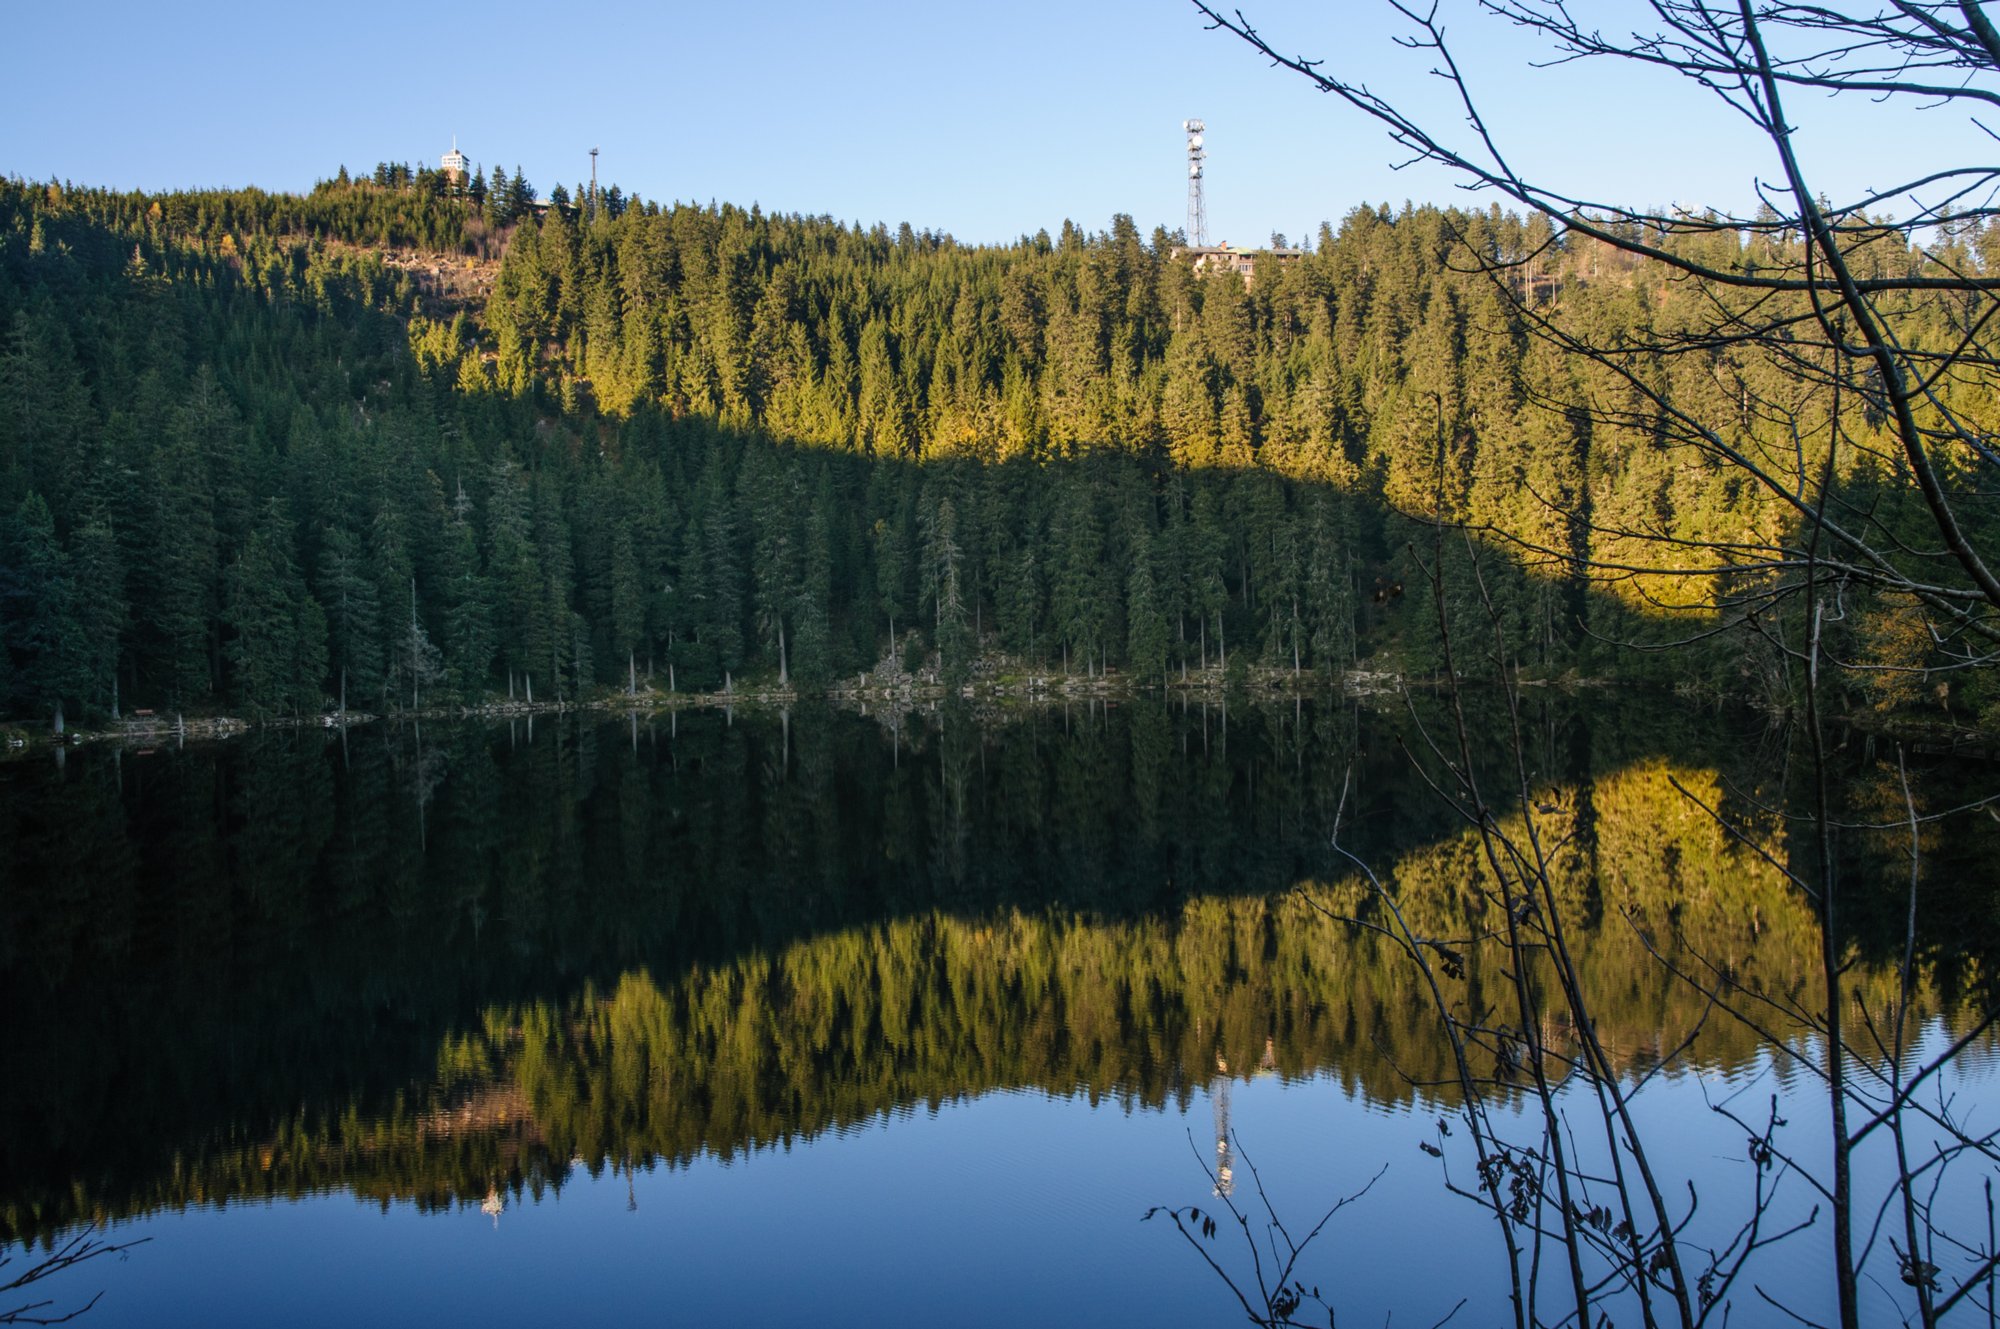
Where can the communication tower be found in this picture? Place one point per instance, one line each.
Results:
(1197, 218)
(593, 182)
(1225, 1152)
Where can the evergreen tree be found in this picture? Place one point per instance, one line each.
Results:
(719, 625)
(892, 568)
(773, 500)
(467, 602)
(349, 596)
(277, 644)
(98, 578)
(1020, 606)
(500, 198)
(175, 603)
(1077, 589)
(49, 664)
(1147, 634)
(512, 566)
(1329, 586)
(943, 590)
(628, 602)
(812, 613)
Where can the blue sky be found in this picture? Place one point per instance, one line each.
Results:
(984, 121)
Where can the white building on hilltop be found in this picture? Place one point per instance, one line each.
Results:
(456, 166)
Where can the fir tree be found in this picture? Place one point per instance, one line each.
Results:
(277, 644)
(42, 632)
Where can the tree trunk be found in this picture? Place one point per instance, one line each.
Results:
(59, 717)
(631, 674)
(528, 680)
(784, 670)
(416, 654)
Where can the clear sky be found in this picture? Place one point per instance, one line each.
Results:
(986, 121)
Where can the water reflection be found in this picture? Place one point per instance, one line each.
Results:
(455, 966)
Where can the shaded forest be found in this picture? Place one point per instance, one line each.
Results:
(248, 463)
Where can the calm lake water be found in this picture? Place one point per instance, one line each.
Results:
(826, 1018)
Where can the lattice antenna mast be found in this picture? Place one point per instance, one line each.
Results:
(593, 182)
(1197, 219)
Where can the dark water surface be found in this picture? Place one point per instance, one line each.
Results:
(820, 1018)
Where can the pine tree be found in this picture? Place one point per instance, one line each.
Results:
(349, 596)
(1208, 588)
(175, 602)
(1329, 586)
(1077, 590)
(1188, 412)
(552, 635)
(98, 576)
(772, 500)
(415, 666)
(467, 604)
(720, 626)
(892, 561)
(42, 634)
(943, 590)
(520, 196)
(814, 655)
(511, 567)
(277, 632)
(1020, 606)
(500, 198)
(1147, 636)
(628, 602)
(45, 414)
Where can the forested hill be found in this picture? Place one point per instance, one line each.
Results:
(244, 464)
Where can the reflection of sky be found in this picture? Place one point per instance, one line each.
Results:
(1011, 1209)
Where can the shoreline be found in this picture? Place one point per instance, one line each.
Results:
(903, 692)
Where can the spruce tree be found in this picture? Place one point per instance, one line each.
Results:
(98, 577)
(349, 596)
(42, 633)
(276, 647)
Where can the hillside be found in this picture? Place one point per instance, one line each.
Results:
(265, 452)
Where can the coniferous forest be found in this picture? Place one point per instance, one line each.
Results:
(390, 446)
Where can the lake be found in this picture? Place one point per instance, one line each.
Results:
(851, 1019)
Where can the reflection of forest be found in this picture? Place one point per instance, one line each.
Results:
(417, 967)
